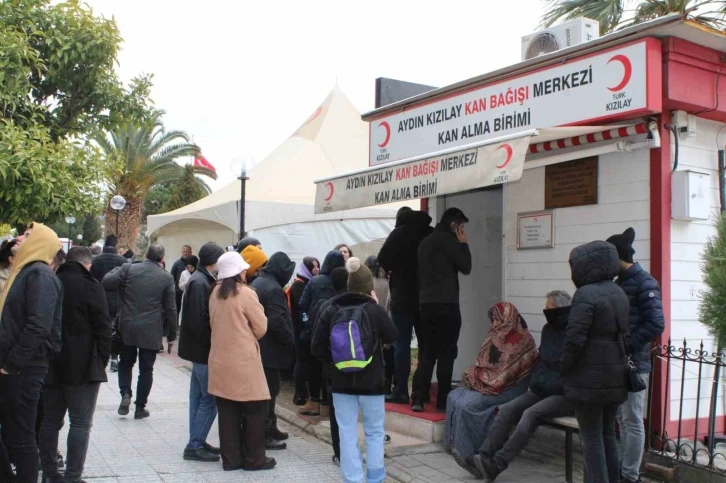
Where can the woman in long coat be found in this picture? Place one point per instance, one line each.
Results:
(236, 376)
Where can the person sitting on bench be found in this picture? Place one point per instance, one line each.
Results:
(543, 400)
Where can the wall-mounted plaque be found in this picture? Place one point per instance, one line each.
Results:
(571, 184)
(535, 230)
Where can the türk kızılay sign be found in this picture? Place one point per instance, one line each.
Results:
(598, 87)
(449, 173)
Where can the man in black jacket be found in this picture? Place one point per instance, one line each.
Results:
(543, 401)
(399, 257)
(176, 271)
(30, 337)
(195, 341)
(276, 347)
(441, 257)
(102, 264)
(646, 324)
(76, 375)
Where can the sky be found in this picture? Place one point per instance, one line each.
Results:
(241, 76)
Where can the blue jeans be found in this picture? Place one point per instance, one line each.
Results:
(404, 322)
(374, 417)
(202, 407)
(632, 433)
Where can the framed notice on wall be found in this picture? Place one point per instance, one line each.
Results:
(535, 229)
(571, 184)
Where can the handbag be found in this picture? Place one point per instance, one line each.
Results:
(635, 381)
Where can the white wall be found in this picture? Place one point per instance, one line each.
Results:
(688, 238)
(623, 201)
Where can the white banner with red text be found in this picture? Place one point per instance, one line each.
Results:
(445, 174)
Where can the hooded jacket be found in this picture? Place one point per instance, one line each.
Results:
(594, 358)
(441, 257)
(546, 377)
(321, 285)
(195, 336)
(277, 345)
(31, 304)
(86, 329)
(399, 256)
(371, 380)
(102, 264)
(646, 313)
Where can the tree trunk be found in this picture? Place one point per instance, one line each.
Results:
(129, 222)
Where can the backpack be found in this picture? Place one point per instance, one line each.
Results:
(352, 341)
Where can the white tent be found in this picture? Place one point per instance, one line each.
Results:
(280, 195)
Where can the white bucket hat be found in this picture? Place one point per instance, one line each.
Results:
(230, 265)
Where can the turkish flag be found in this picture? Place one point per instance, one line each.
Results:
(202, 161)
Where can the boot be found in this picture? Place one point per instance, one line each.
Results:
(310, 409)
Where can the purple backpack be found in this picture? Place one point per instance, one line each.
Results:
(352, 341)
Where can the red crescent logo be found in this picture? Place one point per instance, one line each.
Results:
(627, 67)
(332, 190)
(387, 127)
(509, 151)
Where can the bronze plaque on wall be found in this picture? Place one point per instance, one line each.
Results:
(571, 184)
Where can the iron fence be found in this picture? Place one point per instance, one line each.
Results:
(691, 437)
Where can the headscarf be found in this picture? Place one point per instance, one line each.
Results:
(507, 355)
(304, 272)
(40, 246)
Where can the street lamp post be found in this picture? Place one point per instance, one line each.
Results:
(239, 168)
(118, 203)
(70, 219)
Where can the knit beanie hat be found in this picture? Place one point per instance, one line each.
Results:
(360, 278)
(624, 244)
(339, 279)
(247, 241)
(230, 265)
(255, 257)
(209, 254)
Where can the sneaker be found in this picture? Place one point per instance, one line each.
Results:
(200, 454)
(486, 466)
(278, 435)
(212, 449)
(467, 462)
(274, 445)
(123, 408)
(114, 366)
(141, 413)
(336, 461)
(324, 411)
(310, 409)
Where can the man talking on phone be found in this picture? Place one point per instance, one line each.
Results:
(441, 257)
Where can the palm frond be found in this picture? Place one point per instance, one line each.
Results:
(608, 12)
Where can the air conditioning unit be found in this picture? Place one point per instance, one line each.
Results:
(559, 37)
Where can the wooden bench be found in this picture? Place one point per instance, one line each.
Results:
(568, 425)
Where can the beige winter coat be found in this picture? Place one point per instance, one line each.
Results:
(235, 366)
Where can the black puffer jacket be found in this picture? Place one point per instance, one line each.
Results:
(195, 336)
(276, 347)
(441, 257)
(371, 380)
(399, 256)
(546, 377)
(646, 313)
(102, 264)
(321, 285)
(594, 359)
(30, 332)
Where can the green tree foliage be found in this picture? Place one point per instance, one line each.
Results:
(713, 298)
(614, 14)
(186, 190)
(157, 198)
(89, 227)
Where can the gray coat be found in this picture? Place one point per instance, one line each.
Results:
(146, 301)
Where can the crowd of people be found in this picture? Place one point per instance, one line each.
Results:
(343, 328)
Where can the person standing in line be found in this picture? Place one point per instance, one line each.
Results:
(383, 295)
(354, 323)
(176, 271)
(102, 264)
(594, 360)
(246, 242)
(345, 250)
(646, 324)
(195, 341)
(191, 267)
(76, 374)
(310, 267)
(146, 301)
(441, 257)
(96, 250)
(236, 377)
(256, 259)
(7, 252)
(277, 345)
(30, 337)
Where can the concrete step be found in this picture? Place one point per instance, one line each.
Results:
(413, 427)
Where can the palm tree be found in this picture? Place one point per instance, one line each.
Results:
(611, 13)
(140, 158)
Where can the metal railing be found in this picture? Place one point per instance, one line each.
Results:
(691, 438)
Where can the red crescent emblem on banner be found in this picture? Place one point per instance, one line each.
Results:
(509, 151)
(387, 127)
(332, 190)
(627, 67)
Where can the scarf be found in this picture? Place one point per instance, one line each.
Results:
(507, 355)
(304, 272)
(40, 246)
